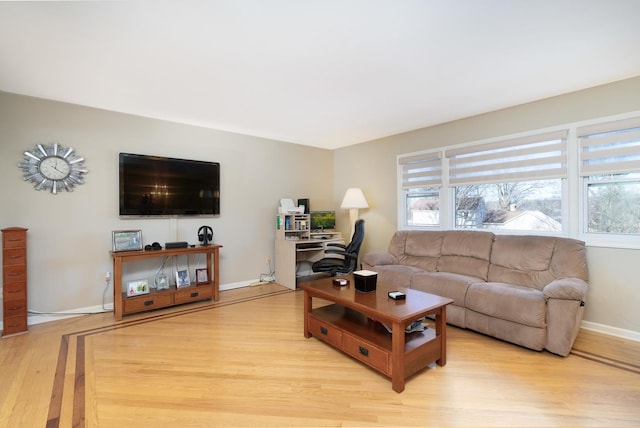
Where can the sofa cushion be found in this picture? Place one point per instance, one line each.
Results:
(421, 249)
(466, 252)
(396, 275)
(522, 260)
(522, 305)
(570, 259)
(445, 284)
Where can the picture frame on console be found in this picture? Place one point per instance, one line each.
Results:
(162, 282)
(202, 276)
(137, 287)
(126, 240)
(182, 278)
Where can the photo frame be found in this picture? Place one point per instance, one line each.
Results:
(138, 287)
(126, 240)
(182, 278)
(162, 282)
(202, 276)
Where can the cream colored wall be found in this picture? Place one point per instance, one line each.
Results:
(614, 285)
(70, 233)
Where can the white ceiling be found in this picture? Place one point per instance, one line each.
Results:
(325, 73)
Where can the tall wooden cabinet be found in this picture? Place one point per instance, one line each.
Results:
(14, 280)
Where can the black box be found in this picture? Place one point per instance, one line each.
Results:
(365, 281)
(179, 244)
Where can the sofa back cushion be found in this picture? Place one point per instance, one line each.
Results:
(466, 252)
(417, 248)
(570, 259)
(535, 261)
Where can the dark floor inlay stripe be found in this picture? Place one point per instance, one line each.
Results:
(55, 403)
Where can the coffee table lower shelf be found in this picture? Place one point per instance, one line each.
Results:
(368, 341)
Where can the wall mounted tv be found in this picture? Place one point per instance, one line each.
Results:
(164, 187)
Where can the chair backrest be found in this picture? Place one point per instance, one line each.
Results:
(356, 241)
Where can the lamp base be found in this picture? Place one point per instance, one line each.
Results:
(353, 217)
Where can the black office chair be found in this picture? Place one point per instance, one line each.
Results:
(346, 265)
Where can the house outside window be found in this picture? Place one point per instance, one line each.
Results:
(520, 205)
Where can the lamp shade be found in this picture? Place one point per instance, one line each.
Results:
(354, 198)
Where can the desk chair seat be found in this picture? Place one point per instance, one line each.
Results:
(349, 260)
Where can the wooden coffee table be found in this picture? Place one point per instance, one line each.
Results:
(351, 323)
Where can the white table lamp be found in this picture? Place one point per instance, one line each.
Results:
(354, 200)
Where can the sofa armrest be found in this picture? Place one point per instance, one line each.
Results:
(377, 259)
(566, 289)
(565, 299)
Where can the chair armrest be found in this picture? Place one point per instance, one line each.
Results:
(341, 253)
(378, 259)
(335, 244)
(566, 289)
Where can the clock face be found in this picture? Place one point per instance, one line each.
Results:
(53, 168)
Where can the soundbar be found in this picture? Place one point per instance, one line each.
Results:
(179, 244)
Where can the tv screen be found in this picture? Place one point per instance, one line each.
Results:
(321, 220)
(160, 186)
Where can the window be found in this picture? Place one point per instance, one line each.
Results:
(522, 184)
(610, 169)
(512, 184)
(422, 206)
(421, 177)
(517, 205)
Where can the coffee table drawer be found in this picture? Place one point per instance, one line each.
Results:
(365, 352)
(325, 331)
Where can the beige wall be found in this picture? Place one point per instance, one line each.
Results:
(70, 233)
(615, 288)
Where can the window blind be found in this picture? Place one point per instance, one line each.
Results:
(535, 157)
(421, 170)
(610, 147)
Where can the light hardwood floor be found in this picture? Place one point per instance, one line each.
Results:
(245, 362)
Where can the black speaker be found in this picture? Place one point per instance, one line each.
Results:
(153, 247)
(304, 202)
(205, 235)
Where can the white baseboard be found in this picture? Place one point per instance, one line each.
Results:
(35, 318)
(235, 285)
(42, 318)
(611, 331)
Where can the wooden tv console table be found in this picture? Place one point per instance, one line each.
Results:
(123, 305)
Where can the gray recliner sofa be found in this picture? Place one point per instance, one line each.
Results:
(528, 290)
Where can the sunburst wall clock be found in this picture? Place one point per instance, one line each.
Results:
(53, 167)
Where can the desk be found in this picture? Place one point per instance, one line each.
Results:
(123, 305)
(292, 253)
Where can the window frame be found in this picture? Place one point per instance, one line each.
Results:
(574, 187)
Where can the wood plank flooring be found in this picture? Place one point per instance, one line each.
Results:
(245, 362)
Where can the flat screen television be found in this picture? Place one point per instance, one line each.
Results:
(323, 220)
(165, 187)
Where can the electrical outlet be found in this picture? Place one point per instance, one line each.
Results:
(107, 278)
(269, 261)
